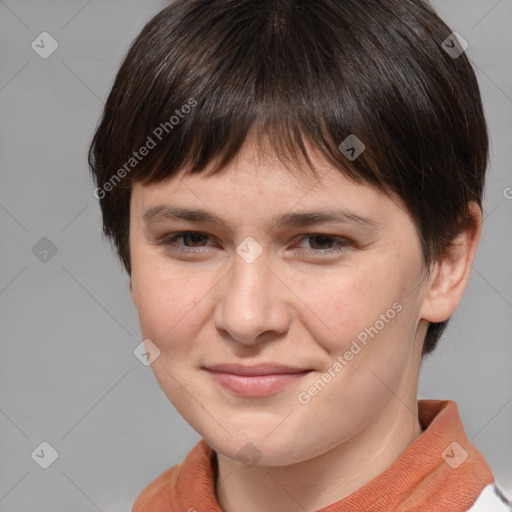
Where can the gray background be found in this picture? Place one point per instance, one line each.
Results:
(67, 372)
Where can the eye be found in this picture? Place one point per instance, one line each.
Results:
(320, 243)
(192, 241)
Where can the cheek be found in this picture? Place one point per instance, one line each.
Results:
(167, 300)
(353, 303)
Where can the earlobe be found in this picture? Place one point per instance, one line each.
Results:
(451, 272)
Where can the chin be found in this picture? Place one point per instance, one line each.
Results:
(258, 449)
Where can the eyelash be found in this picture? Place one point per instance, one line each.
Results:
(168, 242)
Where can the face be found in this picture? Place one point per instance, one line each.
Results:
(308, 291)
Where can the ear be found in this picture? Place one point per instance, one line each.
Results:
(450, 273)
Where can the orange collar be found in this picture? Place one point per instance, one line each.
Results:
(441, 470)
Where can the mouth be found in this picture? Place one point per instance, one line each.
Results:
(255, 381)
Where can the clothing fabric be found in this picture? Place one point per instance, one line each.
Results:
(440, 471)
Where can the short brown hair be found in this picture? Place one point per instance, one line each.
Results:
(293, 71)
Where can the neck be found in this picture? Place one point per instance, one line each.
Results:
(325, 479)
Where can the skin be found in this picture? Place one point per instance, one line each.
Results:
(297, 304)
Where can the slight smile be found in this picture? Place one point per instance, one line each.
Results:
(255, 381)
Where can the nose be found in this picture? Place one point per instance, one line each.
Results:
(254, 305)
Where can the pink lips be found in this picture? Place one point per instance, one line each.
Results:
(257, 380)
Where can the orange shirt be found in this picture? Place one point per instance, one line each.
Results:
(440, 471)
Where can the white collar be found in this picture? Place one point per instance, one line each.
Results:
(491, 499)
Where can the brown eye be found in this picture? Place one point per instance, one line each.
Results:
(320, 244)
(186, 241)
(193, 239)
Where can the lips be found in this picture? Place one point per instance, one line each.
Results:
(255, 380)
(254, 370)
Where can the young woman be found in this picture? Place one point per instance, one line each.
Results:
(295, 190)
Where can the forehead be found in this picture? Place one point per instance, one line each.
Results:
(266, 184)
(233, 205)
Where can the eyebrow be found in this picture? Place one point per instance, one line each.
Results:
(290, 219)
